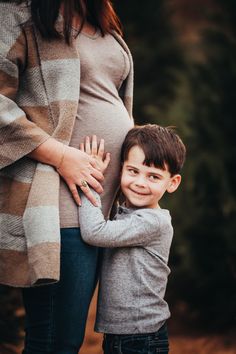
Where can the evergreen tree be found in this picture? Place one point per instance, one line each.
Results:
(157, 58)
(191, 85)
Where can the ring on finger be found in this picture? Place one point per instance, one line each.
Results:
(84, 183)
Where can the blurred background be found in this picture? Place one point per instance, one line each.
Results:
(185, 76)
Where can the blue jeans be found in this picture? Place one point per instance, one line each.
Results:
(148, 343)
(56, 314)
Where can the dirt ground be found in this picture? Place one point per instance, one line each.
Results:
(179, 343)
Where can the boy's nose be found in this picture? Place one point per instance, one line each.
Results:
(140, 181)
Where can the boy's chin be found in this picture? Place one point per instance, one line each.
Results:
(140, 205)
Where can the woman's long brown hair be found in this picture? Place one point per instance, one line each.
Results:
(99, 13)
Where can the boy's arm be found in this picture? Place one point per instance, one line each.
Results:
(137, 229)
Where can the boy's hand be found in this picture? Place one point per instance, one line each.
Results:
(101, 158)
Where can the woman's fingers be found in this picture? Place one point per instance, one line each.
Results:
(86, 190)
(84, 184)
(79, 167)
(93, 183)
(96, 170)
(75, 194)
(88, 193)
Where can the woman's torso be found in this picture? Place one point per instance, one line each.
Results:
(104, 67)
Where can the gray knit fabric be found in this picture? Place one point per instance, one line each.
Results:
(134, 267)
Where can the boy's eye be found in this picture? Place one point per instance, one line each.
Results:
(154, 178)
(132, 171)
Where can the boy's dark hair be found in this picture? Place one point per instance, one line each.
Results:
(162, 147)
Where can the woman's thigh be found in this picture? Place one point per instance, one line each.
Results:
(56, 314)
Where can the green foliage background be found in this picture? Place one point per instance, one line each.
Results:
(185, 73)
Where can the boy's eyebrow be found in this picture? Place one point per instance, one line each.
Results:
(152, 172)
(155, 174)
(132, 166)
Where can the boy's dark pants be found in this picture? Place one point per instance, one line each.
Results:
(148, 343)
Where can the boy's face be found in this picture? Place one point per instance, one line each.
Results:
(143, 186)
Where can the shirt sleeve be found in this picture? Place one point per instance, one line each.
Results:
(136, 229)
(18, 135)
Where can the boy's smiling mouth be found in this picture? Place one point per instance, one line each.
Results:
(138, 193)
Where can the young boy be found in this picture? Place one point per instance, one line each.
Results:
(131, 310)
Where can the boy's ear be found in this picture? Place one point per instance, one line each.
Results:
(174, 183)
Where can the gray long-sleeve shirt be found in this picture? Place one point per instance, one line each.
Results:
(134, 267)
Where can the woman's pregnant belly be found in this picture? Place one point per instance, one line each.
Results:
(111, 122)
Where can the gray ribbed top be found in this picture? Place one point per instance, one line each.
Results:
(104, 66)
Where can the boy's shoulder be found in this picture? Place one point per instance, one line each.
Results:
(154, 224)
(154, 217)
(155, 212)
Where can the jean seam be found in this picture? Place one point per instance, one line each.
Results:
(119, 346)
(152, 342)
(51, 334)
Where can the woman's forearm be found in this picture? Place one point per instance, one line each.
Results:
(50, 152)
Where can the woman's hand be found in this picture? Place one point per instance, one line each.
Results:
(97, 152)
(78, 169)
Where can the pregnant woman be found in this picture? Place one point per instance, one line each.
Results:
(65, 73)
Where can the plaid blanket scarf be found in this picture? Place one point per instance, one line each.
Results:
(39, 95)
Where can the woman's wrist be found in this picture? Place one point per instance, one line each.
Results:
(50, 152)
(62, 157)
